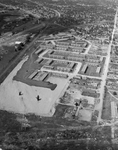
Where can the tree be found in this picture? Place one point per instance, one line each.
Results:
(114, 93)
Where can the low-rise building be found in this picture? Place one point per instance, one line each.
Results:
(98, 69)
(60, 75)
(84, 69)
(33, 74)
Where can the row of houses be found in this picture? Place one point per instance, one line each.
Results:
(75, 49)
(38, 75)
(86, 66)
(60, 68)
(75, 58)
(90, 93)
(60, 75)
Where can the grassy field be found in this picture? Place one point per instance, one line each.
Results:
(60, 110)
(4, 21)
(45, 134)
(7, 54)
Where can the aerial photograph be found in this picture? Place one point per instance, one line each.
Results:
(58, 74)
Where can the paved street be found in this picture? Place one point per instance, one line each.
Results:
(105, 72)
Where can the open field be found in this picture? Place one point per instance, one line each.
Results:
(85, 115)
(27, 101)
(7, 53)
(11, 19)
(61, 110)
(12, 133)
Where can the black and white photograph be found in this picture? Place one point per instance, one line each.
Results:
(58, 74)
